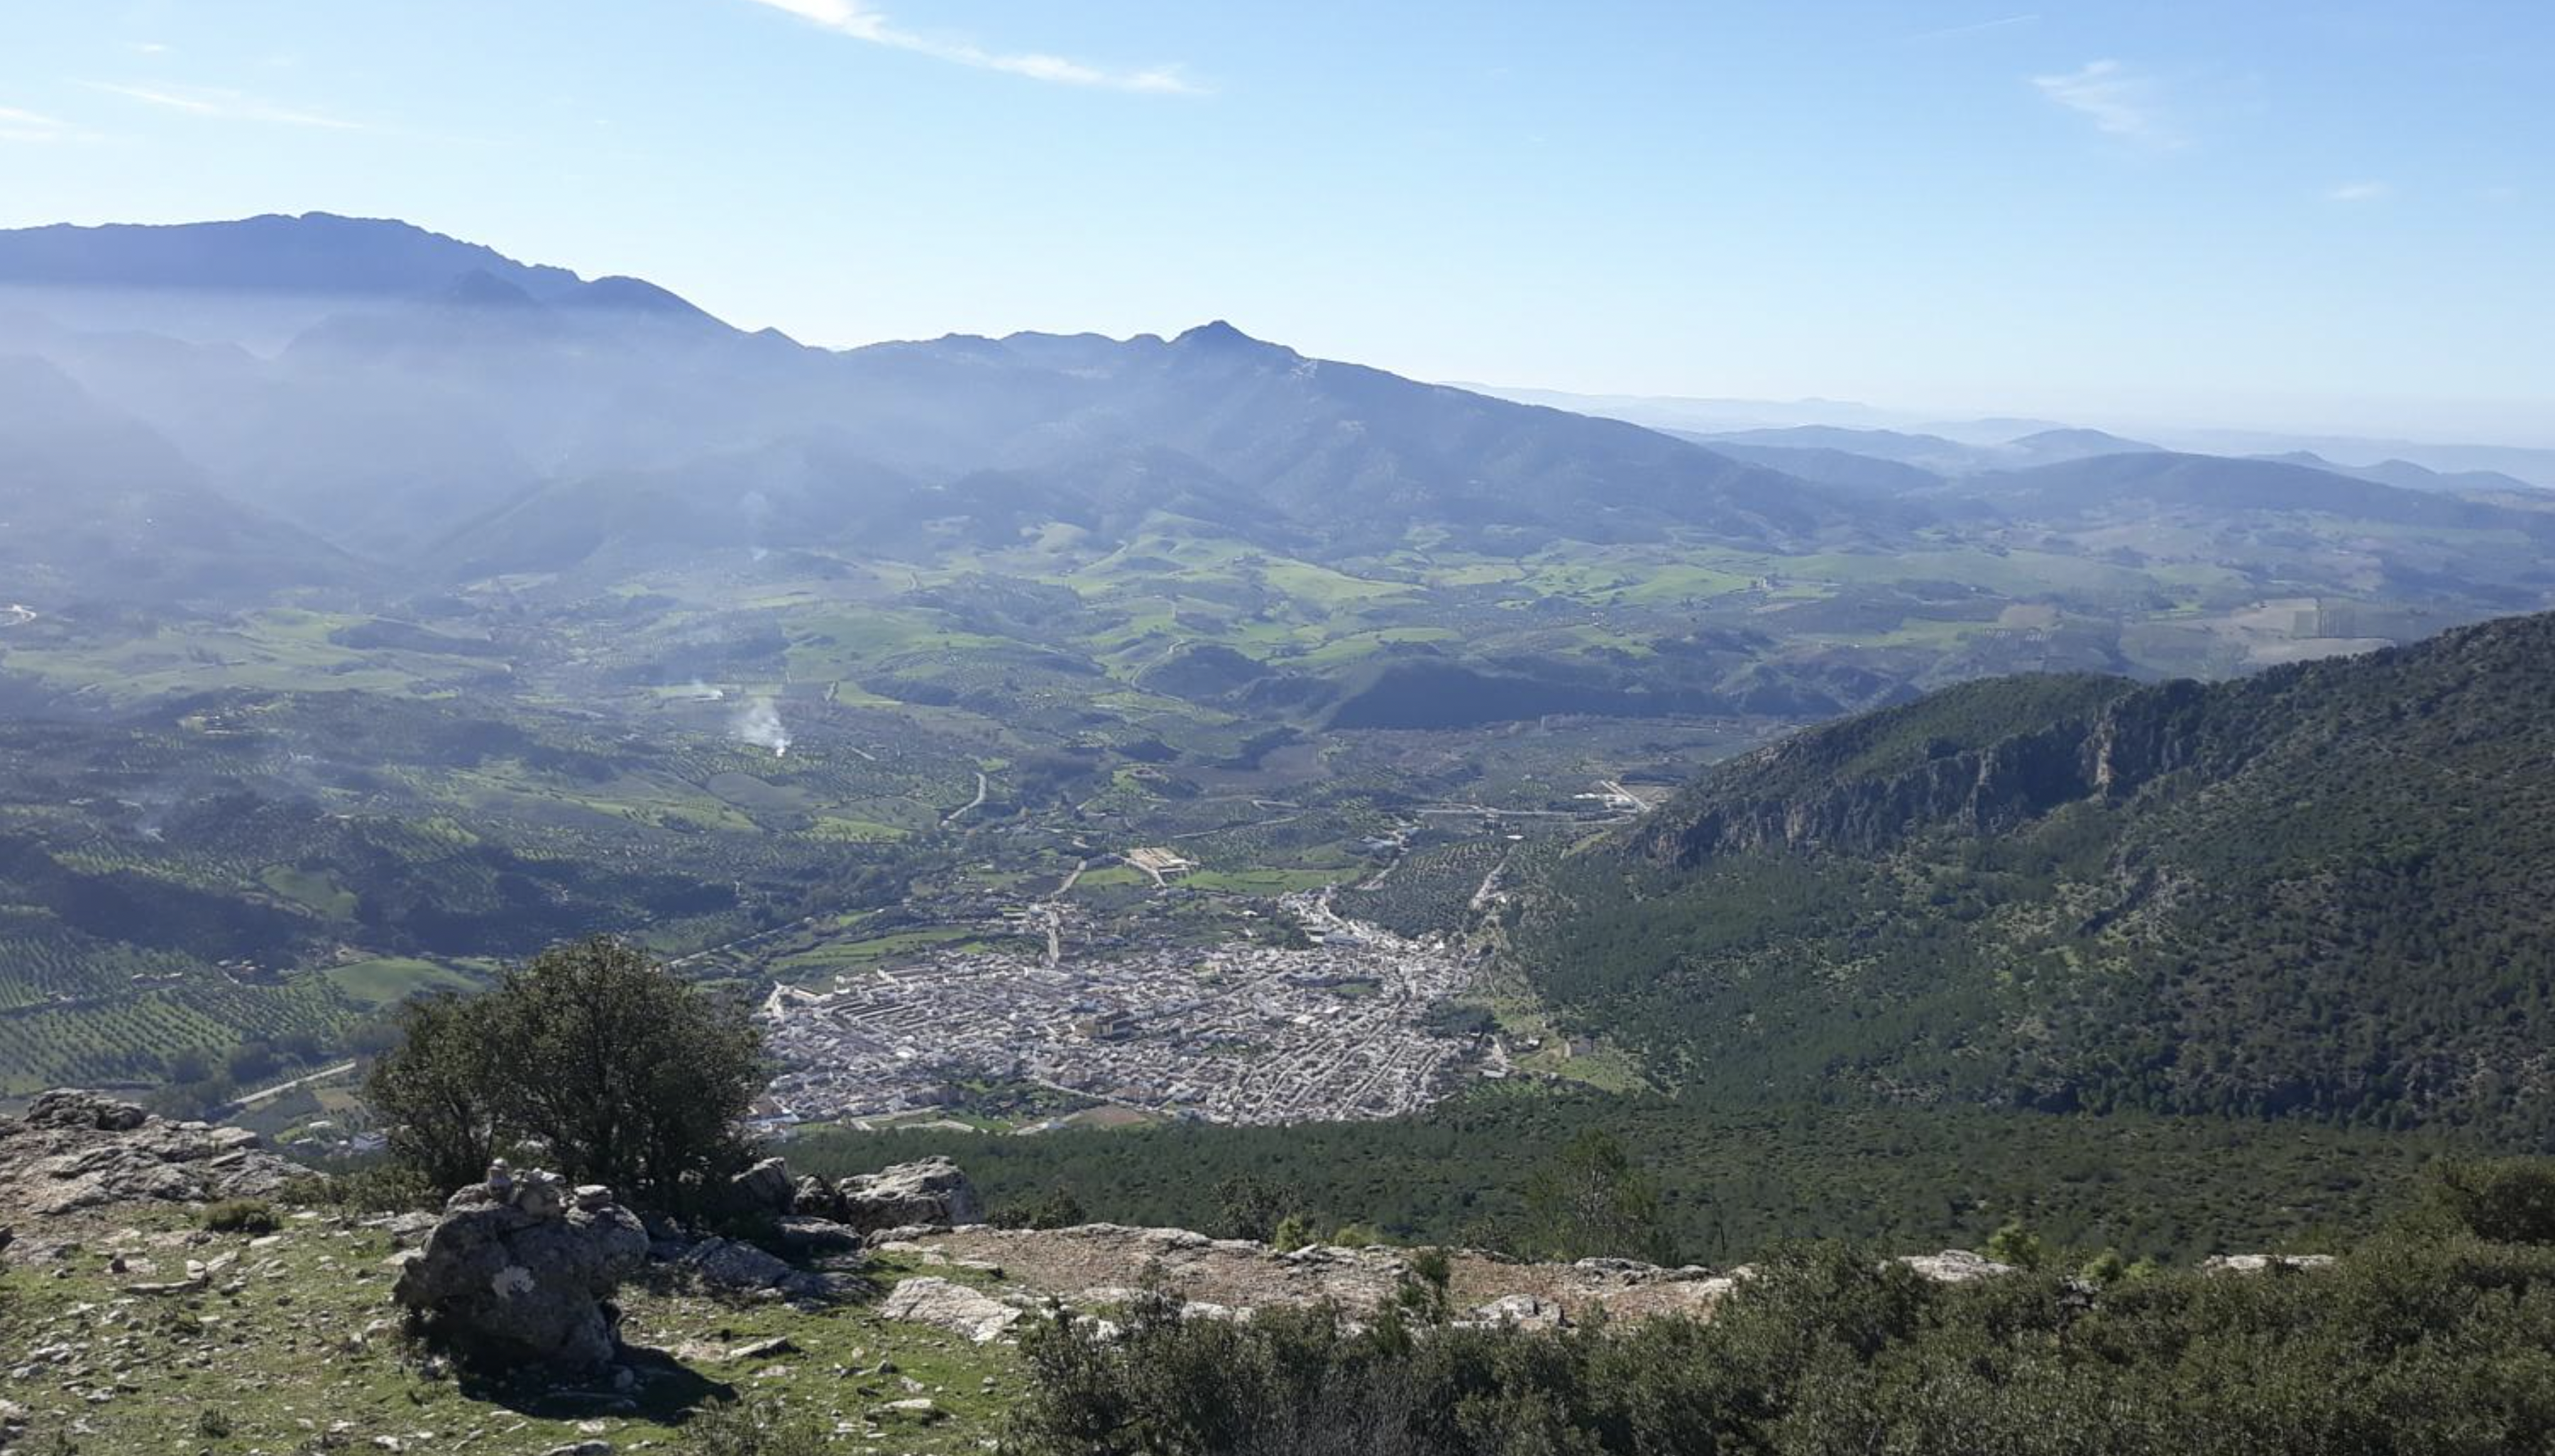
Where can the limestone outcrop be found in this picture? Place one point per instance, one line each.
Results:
(520, 1269)
(933, 1193)
(76, 1149)
(929, 1194)
(954, 1307)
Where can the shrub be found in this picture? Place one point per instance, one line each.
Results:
(2503, 1201)
(1248, 1207)
(241, 1216)
(2404, 1345)
(2016, 1245)
(1293, 1232)
(1057, 1208)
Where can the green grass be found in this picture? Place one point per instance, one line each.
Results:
(384, 980)
(276, 1353)
(319, 890)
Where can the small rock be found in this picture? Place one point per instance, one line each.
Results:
(919, 1409)
(764, 1349)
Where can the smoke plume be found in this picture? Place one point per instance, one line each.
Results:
(759, 723)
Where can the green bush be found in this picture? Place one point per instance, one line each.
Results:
(241, 1216)
(1293, 1232)
(1057, 1208)
(2504, 1200)
(2405, 1345)
(2018, 1246)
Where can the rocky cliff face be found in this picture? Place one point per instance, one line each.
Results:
(2109, 753)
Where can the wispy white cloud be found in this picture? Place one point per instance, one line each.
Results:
(33, 126)
(226, 106)
(149, 48)
(2005, 22)
(854, 18)
(2118, 102)
(2359, 191)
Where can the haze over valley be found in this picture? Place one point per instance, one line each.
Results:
(386, 607)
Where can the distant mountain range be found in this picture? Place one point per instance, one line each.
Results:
(2314, 891)
(335, 387)
(432, 400)
(1761, 422)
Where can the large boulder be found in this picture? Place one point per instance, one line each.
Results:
(519, 1270)
(733, 1268)
(765, 1188)
(931, 1193)
(77, 1150)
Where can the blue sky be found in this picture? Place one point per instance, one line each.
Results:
(2305, 215)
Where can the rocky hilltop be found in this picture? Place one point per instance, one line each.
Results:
(1985, 758)
(530, 1317)
(83, 1150)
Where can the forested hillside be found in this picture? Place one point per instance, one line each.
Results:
(2323, 892)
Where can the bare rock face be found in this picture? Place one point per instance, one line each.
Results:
(1516, 1311)
(2218, 1264)
(952, 1307)
(931, 1193)
(1955, 1266)
(77, 1150)
(520, 1270)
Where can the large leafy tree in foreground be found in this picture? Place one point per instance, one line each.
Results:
(617, 1069)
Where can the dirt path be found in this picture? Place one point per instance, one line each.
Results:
(971, 806)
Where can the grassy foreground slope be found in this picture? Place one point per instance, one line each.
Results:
(2323, 892)
(296, 1347)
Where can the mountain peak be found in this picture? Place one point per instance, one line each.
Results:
(624, 295)
(1218, 334)
(316, 253)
